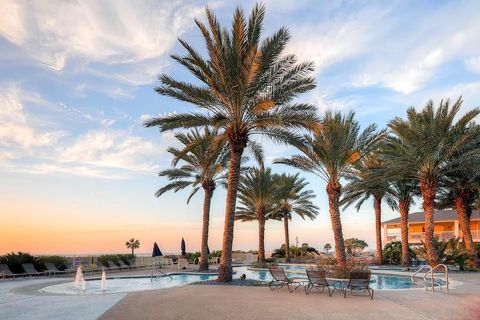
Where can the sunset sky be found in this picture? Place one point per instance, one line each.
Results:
(78, 170)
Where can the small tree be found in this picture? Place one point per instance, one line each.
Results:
(354, 246)
(132, 244)
(327, 247)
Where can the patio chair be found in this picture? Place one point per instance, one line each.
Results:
(359, 281)
(112, 266)
(280, 280)
(123, 265)
(6, 273)
(132, 264)
(30, 270)
(51, 269)
(70, 268)
(182, 263)
(317, 280)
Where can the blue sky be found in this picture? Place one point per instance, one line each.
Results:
(77, 79)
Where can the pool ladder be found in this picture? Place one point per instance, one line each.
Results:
(157, 269)
(432, 282)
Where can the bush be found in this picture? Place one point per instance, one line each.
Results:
(115, 258)
(191, 257)
(216, 253)
(452, 252)
(333, 270)
(58, 261)
(15, 260)
(392, 253)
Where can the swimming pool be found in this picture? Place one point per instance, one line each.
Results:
(130, 284)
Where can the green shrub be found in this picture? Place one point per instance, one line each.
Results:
(15, 260)
(392, 253)
(333, 270)
(192, 256)
(216, 253)
(115, 258)
(58, 261)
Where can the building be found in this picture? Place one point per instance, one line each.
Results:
(446, 227)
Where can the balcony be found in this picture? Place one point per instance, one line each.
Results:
(418, 237)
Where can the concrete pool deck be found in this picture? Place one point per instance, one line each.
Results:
(20, 299)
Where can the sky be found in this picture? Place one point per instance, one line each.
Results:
(77, 78)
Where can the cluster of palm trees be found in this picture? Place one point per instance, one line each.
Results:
(247, 87)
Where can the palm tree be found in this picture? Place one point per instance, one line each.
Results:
(354, 245)
(132, 244)
(400, 196)
(204, 159)
(426, 146)
(246, 87)
(256, 192)
(365, 182)
(293, 198)
(460, 190)
(330, 154)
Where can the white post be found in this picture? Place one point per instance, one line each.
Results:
(457, 229)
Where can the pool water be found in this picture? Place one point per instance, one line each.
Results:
(117, 285)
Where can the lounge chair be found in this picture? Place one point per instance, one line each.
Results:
(132, 264)
(51, 269)
(280, 279)
(359, 281)
(123, 265)
(6, 273)
(317, 280)
(112, 266)
(30, 270)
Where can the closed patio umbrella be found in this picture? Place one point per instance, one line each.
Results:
(156, 251)
(183, 247)
(208, 250)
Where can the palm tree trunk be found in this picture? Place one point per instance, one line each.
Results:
(429, 191)
(287, 238)
(208, 193)
(133, 250)
(225, 267)
(261, 239)
(377, 204)
(334, 190)
(404, 232)
(464, 222)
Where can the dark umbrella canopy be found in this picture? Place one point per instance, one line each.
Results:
(156, 251)
(208, 250)
(183, 247)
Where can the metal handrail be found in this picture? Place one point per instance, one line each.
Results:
(412, 277)
(160, 271)
(432, 278)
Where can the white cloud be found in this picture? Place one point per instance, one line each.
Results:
(132, 35)
(17, 130)
(28, 144)
(107, 148)
(473, 64)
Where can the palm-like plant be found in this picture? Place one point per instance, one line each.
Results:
(246, 86)
(203, 159)
(256, 193)
(400, 196)
(330, 154)
(460, 190)
(367, 181)
(132, 244)
(426, 146)
(294, 198)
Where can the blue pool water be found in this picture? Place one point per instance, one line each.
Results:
(144, 283)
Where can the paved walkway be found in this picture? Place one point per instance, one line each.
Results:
(20, 299)
(226, 302)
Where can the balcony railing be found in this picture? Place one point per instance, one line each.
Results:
(417, 237)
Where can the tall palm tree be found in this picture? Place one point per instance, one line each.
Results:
(293, 198)
(203, 158)
(460, 191)
(367, 181)
(132, 244)
(426, 146)
(256, 193)
(245, 86)
(330, 154)
(400, 196)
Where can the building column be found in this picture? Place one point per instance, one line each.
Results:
(457, 229)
